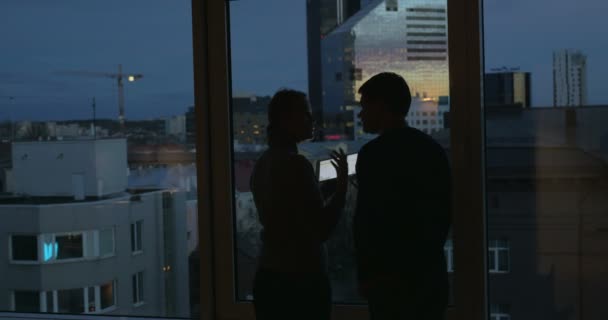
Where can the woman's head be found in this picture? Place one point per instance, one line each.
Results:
(289, 117)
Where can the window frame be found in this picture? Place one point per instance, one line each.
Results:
(137, 243)
(467, 137)
(495, 247)
(137, 279)
(214, 166)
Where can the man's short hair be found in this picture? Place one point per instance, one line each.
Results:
(389, 88)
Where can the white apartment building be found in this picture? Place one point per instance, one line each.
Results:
(569, 78)
(75, 239)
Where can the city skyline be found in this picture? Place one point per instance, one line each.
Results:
(166, 89)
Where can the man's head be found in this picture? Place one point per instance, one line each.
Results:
(385, 98)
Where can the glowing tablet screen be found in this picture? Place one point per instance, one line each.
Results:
(327, 172)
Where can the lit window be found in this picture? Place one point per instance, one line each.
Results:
(107, 295)
(138, 288)
(136, 233)
(24, 248)
(498, 256)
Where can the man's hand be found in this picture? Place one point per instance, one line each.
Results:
(341, 165)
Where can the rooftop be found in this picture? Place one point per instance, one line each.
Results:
(12, 199)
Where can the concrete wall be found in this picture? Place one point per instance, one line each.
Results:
(57, 161)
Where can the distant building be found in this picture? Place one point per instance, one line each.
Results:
(191, 127)
(569, 78)
(322, 16)
(176, 127)
(250, 119)
(427, 116)
(509, 88)
(405, 37)
(77, 240)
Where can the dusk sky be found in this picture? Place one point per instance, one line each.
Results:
(41, 38)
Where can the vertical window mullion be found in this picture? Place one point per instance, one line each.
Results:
(98, 297)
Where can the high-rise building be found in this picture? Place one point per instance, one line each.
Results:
(405, 37)
(569, 78)
(507, 88)
(322, 16)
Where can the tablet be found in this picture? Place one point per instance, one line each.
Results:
(326, 171)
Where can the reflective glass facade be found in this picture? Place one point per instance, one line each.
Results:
(408, 37)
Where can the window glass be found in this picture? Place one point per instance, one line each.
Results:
(546, 155)
(70, 300)
(27, 301)
(140, 286)
(24, 248)
(49, 302)
(97, 121)
(136, 234)
(107, 295)
(69, 246)
(92, 304)
(315, 48)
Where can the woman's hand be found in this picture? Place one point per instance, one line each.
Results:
(341, 165)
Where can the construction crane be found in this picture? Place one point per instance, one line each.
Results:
(119, 77)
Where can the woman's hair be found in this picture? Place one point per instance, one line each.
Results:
(284, 101)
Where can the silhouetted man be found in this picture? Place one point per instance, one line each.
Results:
(403, 208)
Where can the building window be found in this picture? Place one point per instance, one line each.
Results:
(426, 34)
(26, 301)
(107, 296)
(48, 302)
(500, 312)
(136, 230)
(24, 248)
(428, 10)
(392, 5)
(138, 288)
(69, 246)
(448, 249)
(427, 42)
(70, 301)
(498, 256)
(338, 76)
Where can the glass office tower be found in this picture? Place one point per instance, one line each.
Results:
(408, 37)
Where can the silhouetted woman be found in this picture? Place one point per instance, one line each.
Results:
(291, 281)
